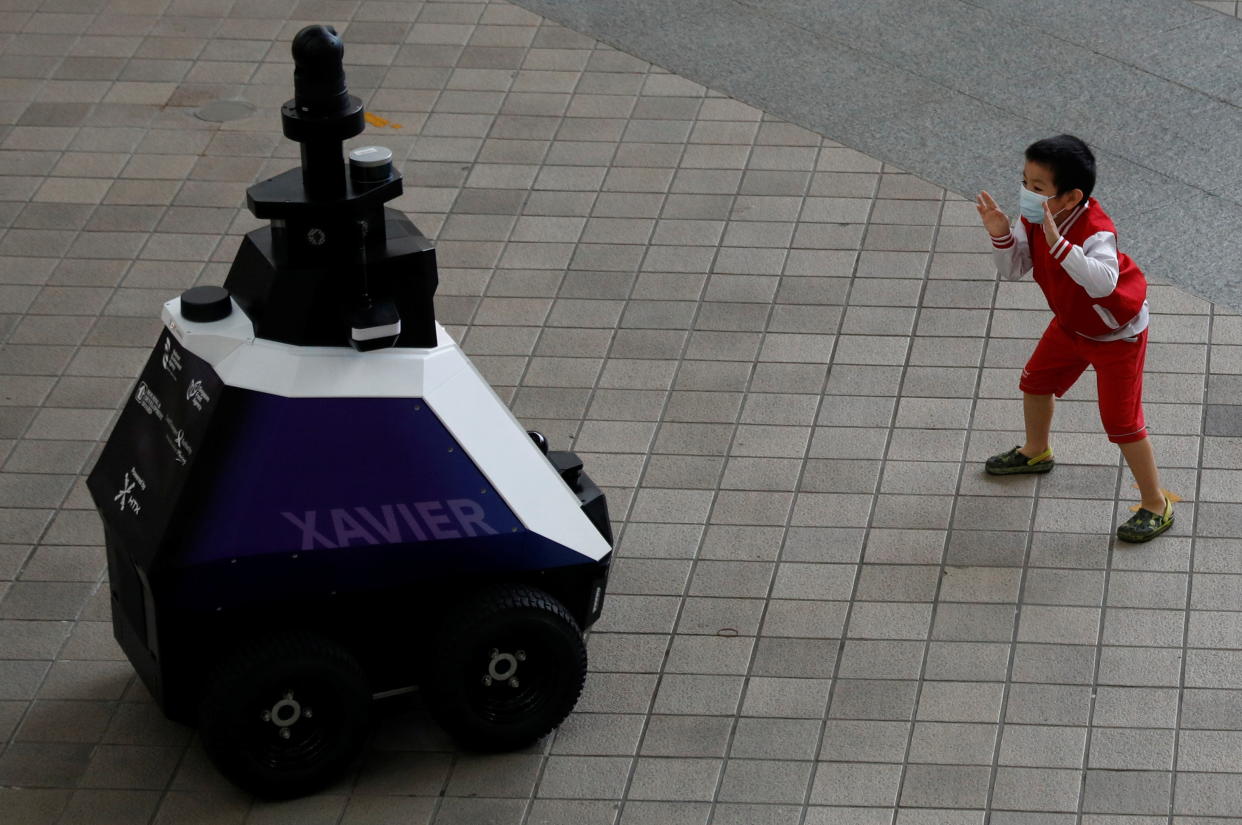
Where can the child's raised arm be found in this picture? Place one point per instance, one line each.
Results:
(1013, 253)
(994, 220)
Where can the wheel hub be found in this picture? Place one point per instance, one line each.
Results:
(502, 667)
(286, 713)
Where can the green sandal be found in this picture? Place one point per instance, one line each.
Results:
(1146, 525)
(1013, 462)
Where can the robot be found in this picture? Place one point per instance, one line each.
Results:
(312, 498)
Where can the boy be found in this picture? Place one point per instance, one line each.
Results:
(1098, 299)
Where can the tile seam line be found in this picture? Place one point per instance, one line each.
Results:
(650, 633)
(547, 751)
(99, 582)
(631, 771)
(808, 798)
(930, 636)
(1190, 584)
(1011, 657)
(591, 28)
(737, 424)
(716, 801)
(1098, 659)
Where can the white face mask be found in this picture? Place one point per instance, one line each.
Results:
(1031, 205)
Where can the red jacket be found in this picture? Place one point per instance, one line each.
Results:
(1091, 288)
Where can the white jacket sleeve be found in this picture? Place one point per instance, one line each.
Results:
(1093, 266)
(1012, 253)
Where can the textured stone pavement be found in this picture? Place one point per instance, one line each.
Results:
(946, 88)
(784, 359)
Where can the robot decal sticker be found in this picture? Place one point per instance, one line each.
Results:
(126, 496)
(395, 523)
(146, 462)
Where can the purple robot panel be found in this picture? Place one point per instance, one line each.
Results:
(300, 475)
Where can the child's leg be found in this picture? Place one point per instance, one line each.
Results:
(1119, 381)
(1142, 460)
(1037, 412)
(1052, 369)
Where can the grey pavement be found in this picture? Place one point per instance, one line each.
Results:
(785, 358)
(952, 90)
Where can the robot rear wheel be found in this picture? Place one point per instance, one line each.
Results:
(285, 715)
(507, 667)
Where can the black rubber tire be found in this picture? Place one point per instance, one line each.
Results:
(247, 748)
(545, 649)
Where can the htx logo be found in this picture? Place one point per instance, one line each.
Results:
(125, 497)
(390, 523)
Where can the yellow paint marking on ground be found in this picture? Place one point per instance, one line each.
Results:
(376, 120)
(1169, 494)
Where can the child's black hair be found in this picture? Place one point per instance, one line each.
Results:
(1071, 162)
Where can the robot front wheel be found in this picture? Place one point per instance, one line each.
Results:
(507, 666)
(285, 714)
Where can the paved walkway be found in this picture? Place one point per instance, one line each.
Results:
(784, 358)
(952, 89)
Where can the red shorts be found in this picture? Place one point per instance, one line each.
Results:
(1061, 356)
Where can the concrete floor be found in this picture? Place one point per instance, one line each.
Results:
(953, 89)
(783, 357)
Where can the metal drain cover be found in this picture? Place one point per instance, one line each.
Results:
(218, 111)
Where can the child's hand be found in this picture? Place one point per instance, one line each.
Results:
(1051, 234)
(994, 220)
